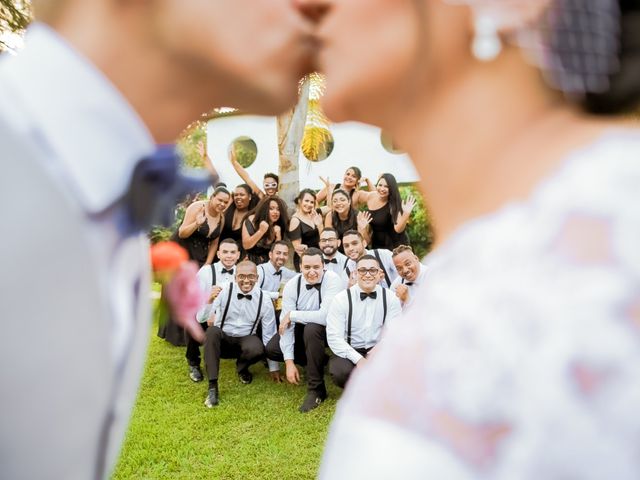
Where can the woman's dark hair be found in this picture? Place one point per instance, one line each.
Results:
(357, 171)
(261, 212)
(351, 217)
(623, 94)
(220, 189)
(231, 209)
(302, 193)
(395, 201)
(272, 175)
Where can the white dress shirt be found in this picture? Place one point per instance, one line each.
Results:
(411, 288)
(205, 280)
(91, 139)
(240, 320)
(337, 267)
(366, 321)
(269, 281)
(306, 307)
(386, 257)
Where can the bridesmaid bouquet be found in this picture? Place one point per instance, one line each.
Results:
(181, 295)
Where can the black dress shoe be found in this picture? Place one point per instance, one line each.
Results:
(212, 398)
(245, 377)
(312, 400)
(195, 373)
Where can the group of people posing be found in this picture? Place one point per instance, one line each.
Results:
(354, 272)
(257, 218)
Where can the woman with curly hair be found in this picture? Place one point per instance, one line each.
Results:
(267, 223)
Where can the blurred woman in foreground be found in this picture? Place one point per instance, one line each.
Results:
(521, 356)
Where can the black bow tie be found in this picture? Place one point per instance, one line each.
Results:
(247, 296)
(279, 273)
(230, 271)
(156, 186)
(315, 285)
(365, 295)
(408, 284)
(330, 260)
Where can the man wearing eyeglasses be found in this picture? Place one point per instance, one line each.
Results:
(302, 334)
(356, 320)
(237, 311)
(329, 244)
(355, 247)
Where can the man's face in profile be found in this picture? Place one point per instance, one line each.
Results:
(251, 53)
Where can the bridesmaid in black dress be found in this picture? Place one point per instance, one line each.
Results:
(389, 214)
(266, 224)
(350, 183)
(199, 234)
(243, 201)
(306, 225)
(343, 217)
(203, 222)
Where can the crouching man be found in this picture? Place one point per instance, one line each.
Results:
(302, 340)
(237, 311)
(356, 319)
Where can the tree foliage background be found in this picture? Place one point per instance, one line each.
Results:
(15, 15)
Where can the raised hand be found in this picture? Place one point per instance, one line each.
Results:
(317, 218)
(201, 216)
(277, 232)
(215, 291)
(408, 204)
(263, 227)
(326, 181)
(363, 219)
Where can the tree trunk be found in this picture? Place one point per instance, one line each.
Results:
(290, 133)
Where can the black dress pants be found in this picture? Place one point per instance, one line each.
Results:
(246, 350)
(340, 368)
(308, 351)
(193, 348)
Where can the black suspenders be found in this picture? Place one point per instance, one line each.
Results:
(226, 310)
(350, 316)
(213, 275)
(257, 314)
(264, 275)
(299, 286)
(386, 276)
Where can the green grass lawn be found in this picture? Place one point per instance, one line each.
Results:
(255, 433)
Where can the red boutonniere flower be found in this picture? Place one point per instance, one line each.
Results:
(181, 294)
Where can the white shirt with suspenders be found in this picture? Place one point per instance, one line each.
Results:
(269, 280)
(306, 305)
(208, 276)
(239, 317)
(357, 323)
(385, 260)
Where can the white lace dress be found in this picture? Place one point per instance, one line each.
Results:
(520, 358)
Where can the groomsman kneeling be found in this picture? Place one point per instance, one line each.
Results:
(356, 319)
(237, 310)
(302, 335)
(211, 279)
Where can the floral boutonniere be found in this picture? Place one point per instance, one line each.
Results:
(181, 295)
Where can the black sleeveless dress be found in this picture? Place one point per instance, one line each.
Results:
(229, 232)
(198, 247)
(308, 235)
(198, 243)
(260, 251)
(342, 226)
(383, 234)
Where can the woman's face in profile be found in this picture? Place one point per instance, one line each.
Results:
(367, 47)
